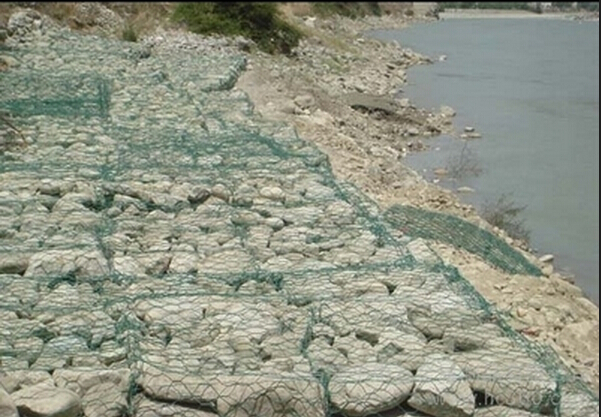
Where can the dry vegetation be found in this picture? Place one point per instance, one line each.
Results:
(143, 17)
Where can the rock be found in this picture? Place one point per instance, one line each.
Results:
(105, 400)
(243, 43)
(441, 389)
(304, 101)
(472, 338)
(310, 21)
(7, 405)
(469, 129)
(13, 263)
(447, 111)
(521, 312)
(370, 102)
(275, 223)
(149, 408)
(465, 190)
(248, 395)
(587, 334)
(546, 258)
(59, 351)
(199, 195)
(221, 191)
(272, 193)
(324, 356)
(15, 380)
(420, 250)
(80, 380)
(413, 131)
(288, 107)
(80, 262)
(547, 269)
(46, 400)
(509, 376)
(502, 411)
(440, 172)
(22, 22)
(578, 404)
(8, 61)
(370, 388)
(471, 135)
(96, 14)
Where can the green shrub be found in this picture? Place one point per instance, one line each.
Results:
(351, 10)
(129, 34)
(257, 21)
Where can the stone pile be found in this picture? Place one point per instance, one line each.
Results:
(165, 252)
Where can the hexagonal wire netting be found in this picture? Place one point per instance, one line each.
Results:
(165, 251)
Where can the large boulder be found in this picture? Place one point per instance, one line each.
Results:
(371, 388)
(509, 377)
(441, 389)
(47, 400)
(252, 394)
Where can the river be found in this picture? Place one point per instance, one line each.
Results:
(531, 88)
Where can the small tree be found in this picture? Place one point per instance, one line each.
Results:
(464, 164)
(505, 214)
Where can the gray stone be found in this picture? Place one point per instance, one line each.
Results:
(400, 348)
(45, 400)
(509, 376)
(502, 411)
(7, 405)
(81, 262)
(447, 111)
(324, 356)
(370, 388)
(149, 408)
(304, 101)
(60, 351)
(413, 131)
(441, 389)
(14, 263)
(578, 404)
(272, 193)
(15, 380)
(420, 250)
(472, 338)
(105, 400)
(248, 395)
(199, 195)
(23, 21)
(81, 380)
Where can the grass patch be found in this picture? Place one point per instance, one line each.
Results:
(129, 34)
(260, 22)
(351, 10)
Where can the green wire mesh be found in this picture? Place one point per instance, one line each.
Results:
(163, 252)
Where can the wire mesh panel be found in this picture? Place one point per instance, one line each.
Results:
(165, 252)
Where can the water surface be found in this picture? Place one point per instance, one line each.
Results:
(531, 87)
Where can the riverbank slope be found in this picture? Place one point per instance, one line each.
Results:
(308, 91)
